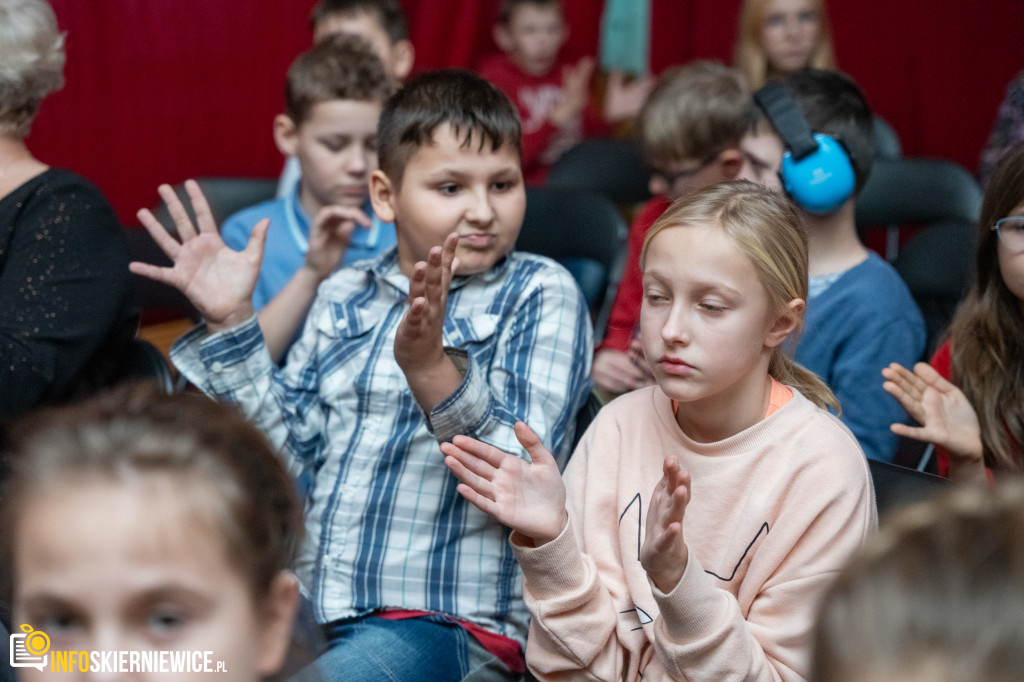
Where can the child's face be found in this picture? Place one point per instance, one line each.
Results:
(1011, 265)
(762, 156)
(533, 36)
(449, 186)
(130, 566)
(790, 34)
(397, 57)
(337, 150)
(706, 322)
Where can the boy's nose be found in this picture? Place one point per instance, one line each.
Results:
(480, 211)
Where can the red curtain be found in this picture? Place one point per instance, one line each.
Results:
(161, 91)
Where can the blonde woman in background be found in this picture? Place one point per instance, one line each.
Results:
(778, 37)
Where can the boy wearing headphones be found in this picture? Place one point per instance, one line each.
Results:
(860, 314)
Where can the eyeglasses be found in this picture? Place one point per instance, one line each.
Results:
(670, 179)
(1011, 232)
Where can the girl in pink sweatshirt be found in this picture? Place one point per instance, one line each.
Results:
(699, 519)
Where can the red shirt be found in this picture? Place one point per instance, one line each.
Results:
(625, 312)
(535, 97)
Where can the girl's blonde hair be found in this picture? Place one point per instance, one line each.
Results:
(767, 228)
(750, 57)
(31, 62)
(987, 332)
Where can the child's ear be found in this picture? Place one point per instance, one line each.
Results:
(503, 38)
(730, 161)
(402, 58)
(785, 323)
(286, 135)
(277, 617)
(383, 195)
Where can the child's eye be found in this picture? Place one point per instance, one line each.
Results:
(655, 296)
(712, 307)
(502, 186)
(58, 622)
(448, 189)
(165, 620)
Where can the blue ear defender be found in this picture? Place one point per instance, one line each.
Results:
(816, 170)
(822, 181)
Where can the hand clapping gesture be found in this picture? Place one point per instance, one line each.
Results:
(528, 497)
(664, 554)
(946, 418)
(218, 280)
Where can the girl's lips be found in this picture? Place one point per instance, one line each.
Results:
(674, 366)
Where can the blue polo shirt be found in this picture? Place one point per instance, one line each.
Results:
(288, 241)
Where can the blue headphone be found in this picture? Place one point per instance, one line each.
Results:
(816, 171)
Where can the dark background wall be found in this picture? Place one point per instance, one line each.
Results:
(161, 90)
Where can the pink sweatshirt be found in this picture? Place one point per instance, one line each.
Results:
(774, 512)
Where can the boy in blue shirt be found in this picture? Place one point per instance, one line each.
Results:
(333, 97)
(860, 314)
(450, 332)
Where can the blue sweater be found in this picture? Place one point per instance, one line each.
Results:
(858, 325)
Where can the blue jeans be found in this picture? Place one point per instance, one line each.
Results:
(429, 648)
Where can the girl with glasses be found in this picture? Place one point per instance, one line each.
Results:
(970, 399)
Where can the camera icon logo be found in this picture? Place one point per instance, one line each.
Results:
(29, 648)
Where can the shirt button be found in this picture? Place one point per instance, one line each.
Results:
(217, 367)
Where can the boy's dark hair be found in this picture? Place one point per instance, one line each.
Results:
(338, 67)
(835, 106)
(509, 7)
(388, 12)
(468, 103)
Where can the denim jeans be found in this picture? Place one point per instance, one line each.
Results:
(428, 649)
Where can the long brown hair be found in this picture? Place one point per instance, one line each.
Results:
(767, 228)
(987, 332)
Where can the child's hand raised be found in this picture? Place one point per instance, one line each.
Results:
(528, 497)
(218, 280)
(946, 417)
(329, 236)
(575, 91)
(418, 341)
(664, 554)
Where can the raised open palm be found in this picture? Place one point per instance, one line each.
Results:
(945, 416)
(528, 497)
(218, 280)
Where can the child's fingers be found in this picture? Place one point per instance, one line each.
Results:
(417, 283)
(177, 211)
(168, 244)
(204, 216)
(448, 259)
(153, 272)
(931, 376)
(912, 432)
(468, 462)
(258, 239)
(486, 505)
(532, 444)
(467, 477)
(481, 450)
